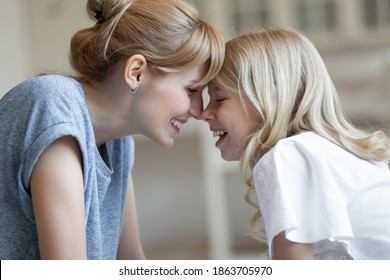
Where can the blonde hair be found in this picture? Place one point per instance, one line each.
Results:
(170, 34)
(287, 83)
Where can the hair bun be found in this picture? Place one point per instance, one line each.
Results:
(99, 16)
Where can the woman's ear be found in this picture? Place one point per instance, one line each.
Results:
(134, 69)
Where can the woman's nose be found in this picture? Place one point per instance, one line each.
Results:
(196, 106)
(206, 115)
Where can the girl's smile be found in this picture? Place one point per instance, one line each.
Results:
(230, 119)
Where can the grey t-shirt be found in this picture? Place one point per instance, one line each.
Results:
(33, 115)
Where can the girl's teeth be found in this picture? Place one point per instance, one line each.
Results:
(218, 133)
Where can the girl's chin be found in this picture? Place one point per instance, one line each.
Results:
(229, 156)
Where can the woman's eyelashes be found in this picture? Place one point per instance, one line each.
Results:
(191, 91)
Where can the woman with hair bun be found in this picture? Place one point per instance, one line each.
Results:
(66, 148)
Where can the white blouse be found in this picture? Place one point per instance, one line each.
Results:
(319, 193)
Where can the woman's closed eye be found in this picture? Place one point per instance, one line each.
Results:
(191, 91)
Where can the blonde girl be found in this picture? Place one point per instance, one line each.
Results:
(321, 184)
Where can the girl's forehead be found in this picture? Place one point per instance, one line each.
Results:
(214, 86)
(213, 90)
(218, 88)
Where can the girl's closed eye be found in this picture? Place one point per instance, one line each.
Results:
(219, 99)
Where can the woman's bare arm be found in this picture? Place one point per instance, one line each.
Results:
(57, 191)
(130, 245)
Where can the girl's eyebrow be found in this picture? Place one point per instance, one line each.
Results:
(213, 91)
(215, 88)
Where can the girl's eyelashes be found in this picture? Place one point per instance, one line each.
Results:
(220, 99)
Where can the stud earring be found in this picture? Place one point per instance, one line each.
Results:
(134, 91)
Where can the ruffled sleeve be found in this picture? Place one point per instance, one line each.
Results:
(298, 194)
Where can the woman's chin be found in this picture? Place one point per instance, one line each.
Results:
(167, 144)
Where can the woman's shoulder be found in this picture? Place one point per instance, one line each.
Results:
(48, 91)
(53, 83)
(51, 78)
(44, 102)
(44, 87)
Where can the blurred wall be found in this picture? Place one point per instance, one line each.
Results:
(15, 55)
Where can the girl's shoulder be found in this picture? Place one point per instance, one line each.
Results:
(309, 152)
(307, 139)
(306, 143)
(305, 150)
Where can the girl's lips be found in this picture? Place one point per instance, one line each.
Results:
(220, 140)
(221, 133)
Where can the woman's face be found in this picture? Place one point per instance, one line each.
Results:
(166, 102)
(229, 120)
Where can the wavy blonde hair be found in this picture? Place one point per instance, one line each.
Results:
(170, 34)
(287, 83)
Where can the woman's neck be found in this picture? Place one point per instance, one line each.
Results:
(109, 111)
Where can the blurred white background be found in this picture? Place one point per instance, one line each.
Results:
(191, 203)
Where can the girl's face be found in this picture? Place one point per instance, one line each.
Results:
(229, 120)
(166, 102)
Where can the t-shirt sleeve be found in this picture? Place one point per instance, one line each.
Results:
(298, 194)
(49, 113)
